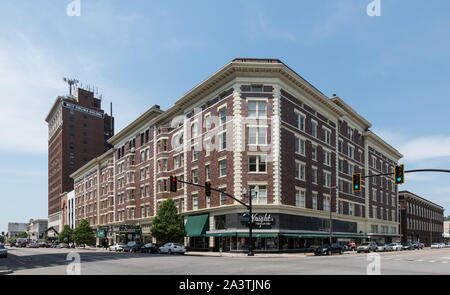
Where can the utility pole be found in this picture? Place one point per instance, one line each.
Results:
(331, 218)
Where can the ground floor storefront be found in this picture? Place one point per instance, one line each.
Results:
(273, 232)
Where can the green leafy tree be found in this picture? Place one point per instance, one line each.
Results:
(447, 218)
(168, 225)
(84, 234)
(22, 235)
(2, 239)
(66, 235)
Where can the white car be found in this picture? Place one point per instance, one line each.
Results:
(436, 246)
(397, 246)
(3, 252)
(172, 248)
(116, 247)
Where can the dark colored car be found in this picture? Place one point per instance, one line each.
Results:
(132, 247)
(150, 248)
(408, 246)
(333, 248)
(418, 245)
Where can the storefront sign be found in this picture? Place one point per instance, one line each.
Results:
(101, 233)
(260, 220)
(128, 228)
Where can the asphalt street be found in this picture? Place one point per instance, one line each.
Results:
(42, 261)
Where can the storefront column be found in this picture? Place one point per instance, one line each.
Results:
(211, 239)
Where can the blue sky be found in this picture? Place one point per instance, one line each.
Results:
(392, 69)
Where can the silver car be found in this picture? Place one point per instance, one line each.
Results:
(171, 248)
(396, 246)
(3, 252)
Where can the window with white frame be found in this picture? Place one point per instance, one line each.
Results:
(300, 121)
(314, 152)
(195, 152)
(223, 115)
(222, 141)
(261, 196)
(257, 163)
(195, 202)
(326, 179)
(351, 169)
(194, 130)
(314, 200)
(341, 207)
(314, 175)
(300, 170)
(374, 195)
(340, 145)
(208, 122)
(257, 109)
(176, 163)
(208, 147)
(374, 212)
(341, 165)
(327, 158)
(300, 146)
(314, 128)
(351, 151)
(327, 136)
(326, 203)
(207, 172)
(195, 175)
(222, 167)
(340, 185)
(257, 135)
(351, 209)
(300, 196)
(223, 197)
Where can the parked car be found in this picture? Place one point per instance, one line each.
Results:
(116, 247)
(367, 247)
(435, 246)
(132, 247)
(62, 245)
(42, 244)
(12, 244)
(333, 248)
(3, 252)
(396, 246)
(385, 248)
(150, 248)
(33, 245)
(172, 248)
(418, 245)
(408, 246)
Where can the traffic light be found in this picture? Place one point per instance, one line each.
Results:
(356, 182)
(207, 188)
(399, 174)
(173, 184)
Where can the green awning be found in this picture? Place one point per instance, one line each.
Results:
(229, 234)
(323, 236)
(196, 226)
(258, 235)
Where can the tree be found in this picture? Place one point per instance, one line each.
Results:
(168, 225)
(66, 235)
(22, 235)
(447, 218)
(84, 234)
(2, 239)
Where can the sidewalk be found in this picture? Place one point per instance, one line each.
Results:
(4, 270)
(257, 255)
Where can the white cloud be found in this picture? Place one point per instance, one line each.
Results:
(24, 172)
(425, 148)
(273, 32)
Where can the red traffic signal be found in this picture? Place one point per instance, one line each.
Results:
(173, 184)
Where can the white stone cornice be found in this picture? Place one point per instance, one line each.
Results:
(276, 144)
(237, 140)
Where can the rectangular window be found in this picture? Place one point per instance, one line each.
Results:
(261, 196)
(223, 198)
(314, 128)
(207, 172)
(208, 122)
(340, 146)
(300, 146)
(257, 163)
(300, 121)
(326, 203)
(195, 175)
(351, 152)
(194, 151)
(351, 209)
(327, 136)
(222, 168)
(327, 179)
(194, 202)
(257, 135)
(327, 158)
(314, 152)
(300, 196)
(314, 176)
(300, 170)
(257, 109)
(222, 141)
(314, 200)
(223, 115)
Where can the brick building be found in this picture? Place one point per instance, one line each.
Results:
(254, 124)
(78, 130)
(421, 219)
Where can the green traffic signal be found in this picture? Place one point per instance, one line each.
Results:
(356, 182)
(399, 174)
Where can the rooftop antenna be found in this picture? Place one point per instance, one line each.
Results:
(71, 83)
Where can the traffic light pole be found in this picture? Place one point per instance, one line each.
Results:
(408, 171)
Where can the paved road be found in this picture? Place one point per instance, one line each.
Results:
(54, 262)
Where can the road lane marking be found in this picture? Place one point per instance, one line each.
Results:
(432, 261)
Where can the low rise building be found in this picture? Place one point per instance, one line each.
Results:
(15, 228)
(37, 228)
(421, 219)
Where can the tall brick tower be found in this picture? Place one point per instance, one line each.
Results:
(78, 130)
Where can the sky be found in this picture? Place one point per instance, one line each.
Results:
(393, 69)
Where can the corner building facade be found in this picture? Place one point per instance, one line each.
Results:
(254, 124)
